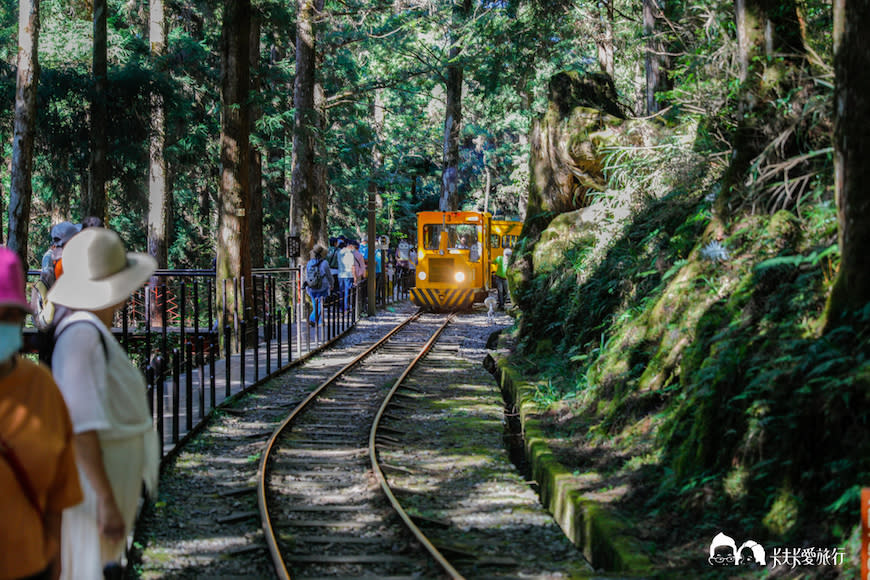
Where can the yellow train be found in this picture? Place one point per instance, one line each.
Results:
(503, 235)
(455, 251)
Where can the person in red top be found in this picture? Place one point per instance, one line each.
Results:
(38, 476)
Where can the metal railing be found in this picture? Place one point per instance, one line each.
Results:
(169, 328)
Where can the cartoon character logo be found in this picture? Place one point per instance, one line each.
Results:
(751, 554)
(724, 552)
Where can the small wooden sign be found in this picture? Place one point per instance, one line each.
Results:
(294, 247)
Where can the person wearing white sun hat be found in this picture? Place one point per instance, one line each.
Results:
(116, 445)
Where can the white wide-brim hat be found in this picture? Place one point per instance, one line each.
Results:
(98, 272)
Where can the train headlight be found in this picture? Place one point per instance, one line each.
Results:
(459, 276)
(422, 275)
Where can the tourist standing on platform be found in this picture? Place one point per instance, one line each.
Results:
(52, 268)
(318, 282)
(38, 477)
(345, 272)
(360, 272)
(115, 442)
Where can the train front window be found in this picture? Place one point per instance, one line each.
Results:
(459, 236)
(462, 236)
(431, 236)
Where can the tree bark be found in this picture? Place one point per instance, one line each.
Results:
(765, 29)
(255, 204)
(233, 263)
(21, 190)
(655, 60)
(96, 204)
(453, 115)
(158, 195)
(604, 38)
(852, 145)
(303, 183)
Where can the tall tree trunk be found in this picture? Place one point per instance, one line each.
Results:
(255, 203)
(21, 190)
(742, 24)
(233, 259)
(769, 41)
(604, 38)
(453, 115)
(655, 61)
(312, 218)
(158, 195)
(852, 146)
(320, 191)
(99, 162)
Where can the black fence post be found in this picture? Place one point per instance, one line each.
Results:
(195, 308)
(267, 328)
(188, 384)
(280, 320)
(256, 349)
(176, 387)
(182, 311)
(243, 327)
(212, 327)
(164, 308)
(159, 393)
(333, 316)
(200, 363)
(211, 370)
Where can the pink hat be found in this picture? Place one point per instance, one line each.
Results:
(12, 280)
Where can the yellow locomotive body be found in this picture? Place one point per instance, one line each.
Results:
(503, 234)
(453, 260)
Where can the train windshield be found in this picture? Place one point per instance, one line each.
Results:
(459, 236)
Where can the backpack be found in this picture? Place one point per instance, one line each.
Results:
(314, 275)
(43, 314)
(46, 340)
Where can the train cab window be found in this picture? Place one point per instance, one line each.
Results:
(494, 241)
(462, 236)
(431, 236)
(509, 241)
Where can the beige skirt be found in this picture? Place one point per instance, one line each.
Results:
(84, 551)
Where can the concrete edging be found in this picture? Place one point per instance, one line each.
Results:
(602, 536)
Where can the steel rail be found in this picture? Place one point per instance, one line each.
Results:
(265, 519)
(379, 474)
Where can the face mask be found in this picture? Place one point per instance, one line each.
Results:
(10, 340)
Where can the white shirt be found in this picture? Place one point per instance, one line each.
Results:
(103, 393)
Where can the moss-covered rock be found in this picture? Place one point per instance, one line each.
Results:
(568, 230)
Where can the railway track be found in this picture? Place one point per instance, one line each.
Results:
(325, 505)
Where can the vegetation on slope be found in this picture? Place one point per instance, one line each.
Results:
(684, 362)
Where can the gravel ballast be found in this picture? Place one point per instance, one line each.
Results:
(453, 466)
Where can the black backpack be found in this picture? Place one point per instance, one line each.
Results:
(47, 339)
(314, 276)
